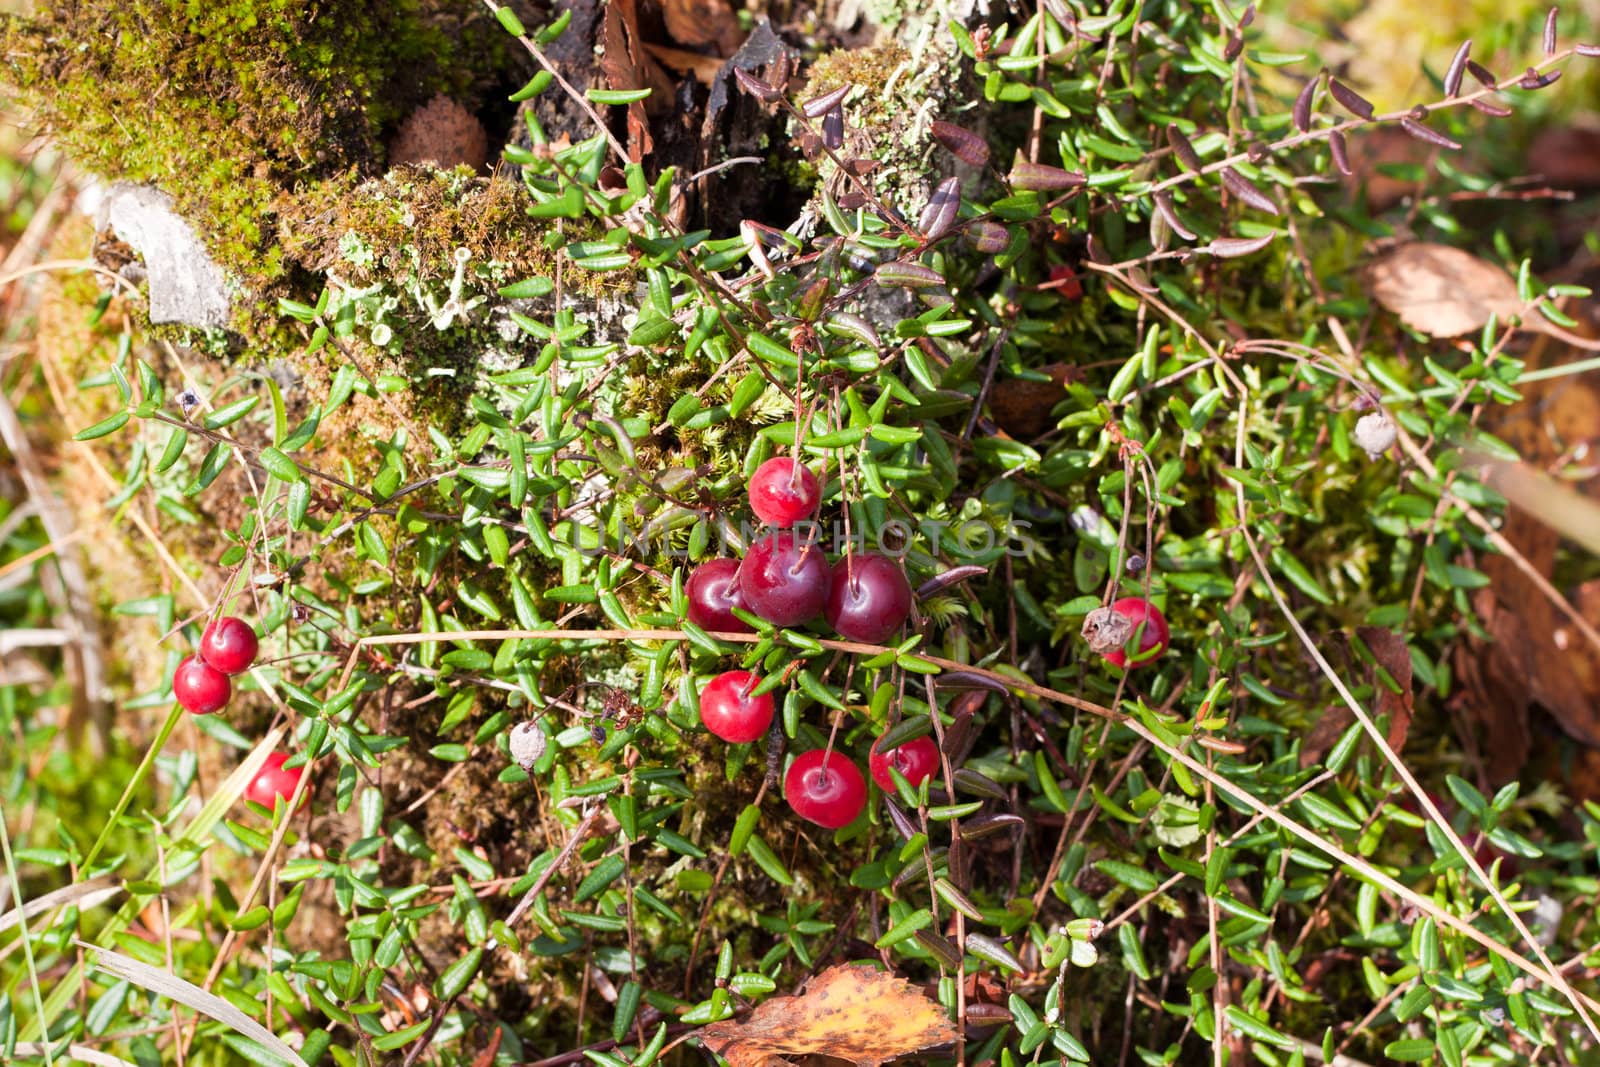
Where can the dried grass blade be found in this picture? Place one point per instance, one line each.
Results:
(86, 895)
(80, 1053)
(157, 981)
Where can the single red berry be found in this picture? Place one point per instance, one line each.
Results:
(782, 492)
(829, 794)
(713, 594)
(784, 579)
(1153, 638)
(199, 687)
(272, 782)
(730, 711)
(868, 598)
(916, 759)
(229, 645)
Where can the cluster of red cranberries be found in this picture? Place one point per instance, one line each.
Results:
(866, 598)
(788, 581)
(228, 647)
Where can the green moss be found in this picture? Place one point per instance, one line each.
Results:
(225, 105)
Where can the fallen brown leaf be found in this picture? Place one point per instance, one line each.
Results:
(854, 1013)
(1535, 654)
(1389, 651)
(1440, 290)
(1022, 406)
(704, 68)
(1568, 157)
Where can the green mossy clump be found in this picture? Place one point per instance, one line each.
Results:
(889, 115)
(224, 105)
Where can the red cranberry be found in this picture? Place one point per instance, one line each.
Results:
(229, 645)
(199, 687)
(1153, 639)
(829, 794)
(916, 759)
(713, 594)
(784, 579)
(868, 598)
(730, 712)
(782, 492)
(272, 782)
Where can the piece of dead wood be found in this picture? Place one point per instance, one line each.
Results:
(702, 23)
(627, 65)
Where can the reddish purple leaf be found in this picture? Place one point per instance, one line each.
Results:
(1590, 50)
(940, 214)
(1534, 80)
(1040, 177)
(1341, 152)
(1240, 186)
(1235, 45)
(940, 582)
(1479, 71)
(755, 86)
(961, 143)
(1492, 110)
(1550, 32)
(904, 274)
(1170, 214)
(1349, 99)
(833, 129)
(818, 106)
(1458, 67)
(1424, 133)
(1182, 148)
(988, 237)
(1302, 105)
(1233, 247)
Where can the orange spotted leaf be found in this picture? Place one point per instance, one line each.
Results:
(859, 1014)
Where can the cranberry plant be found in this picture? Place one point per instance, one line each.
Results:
(957, 588)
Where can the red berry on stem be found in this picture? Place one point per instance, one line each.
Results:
(229, 645)
(730, 711)
(829, 794)
(713, 594)
(272, 781)
(916, 759)
(199, 687)
(784, 579)
(782, 492)
(868, 598)
(1153, 638)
